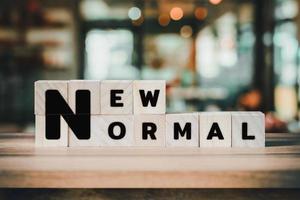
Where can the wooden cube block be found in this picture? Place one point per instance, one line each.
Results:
(40, 133)
(40, 88)
(114, 130)
(248, 129)
(215, 129)
(93, 87)
(116, 97)
(150, 130)
(182, 130)
(149, 97)
(94, 135)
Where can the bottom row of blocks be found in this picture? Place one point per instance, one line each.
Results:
(238, 129)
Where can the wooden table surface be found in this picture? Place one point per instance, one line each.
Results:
(25, 166)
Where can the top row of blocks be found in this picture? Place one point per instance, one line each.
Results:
(108, 96)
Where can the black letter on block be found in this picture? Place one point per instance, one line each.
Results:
(56, 106)
(149, 128)
(114, 98)
(215, 132)
(52, 127)
(111, 130)
(245, 135)
(178, 131)
(149, 97)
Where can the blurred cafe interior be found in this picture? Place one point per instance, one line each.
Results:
(216, 55)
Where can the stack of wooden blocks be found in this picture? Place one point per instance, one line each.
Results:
(133, 113)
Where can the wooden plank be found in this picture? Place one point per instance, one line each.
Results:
(150, 130)
(40, 87)
(248, 129)
(113, 130)
(92, 86)
(148, 88)
(23, 165)
(215, 129)
(40, 132)
(123, 95)
(22, 144)
(182, 121)
(149, 179)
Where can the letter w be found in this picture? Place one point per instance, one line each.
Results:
(149, 97)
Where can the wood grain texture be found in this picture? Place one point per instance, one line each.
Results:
(23, 165)
(100, 125)
(42, 141)
(223, 119)
(182, 119)
(126, 96)
(255, 127)
(40, 87)
(149, 85)
(160, 133)
(92, 86)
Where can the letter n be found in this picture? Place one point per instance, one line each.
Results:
(56, 106)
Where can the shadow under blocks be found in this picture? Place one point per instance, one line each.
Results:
(163, 194)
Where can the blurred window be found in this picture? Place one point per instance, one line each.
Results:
(109, 55)
(166, 56)
(104, 9)
(286, 9)
(286, 58)
(285, 49)
(220, 54)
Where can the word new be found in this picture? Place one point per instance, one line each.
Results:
(133, 113)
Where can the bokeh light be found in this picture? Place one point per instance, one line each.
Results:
(164, 19)
(186, 31)
(215, 2)
(176, 13)
(134, 13)
(200, 13)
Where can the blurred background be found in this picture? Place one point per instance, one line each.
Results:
(214, 54)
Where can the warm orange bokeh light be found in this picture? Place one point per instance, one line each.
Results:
(201, 13)
(215, 2)
(164, 19)
(186, 31)
(176, 13)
